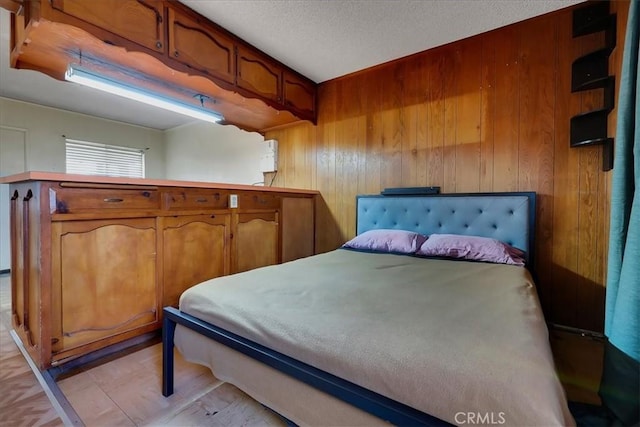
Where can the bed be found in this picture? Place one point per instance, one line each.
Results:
(369, 337)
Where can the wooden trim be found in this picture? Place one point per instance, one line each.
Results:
(99, 180)
(26, 276)
(13, 6)
(107, 186)
(14, 251)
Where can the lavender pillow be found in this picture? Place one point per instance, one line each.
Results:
(396, 241)
(472, 248)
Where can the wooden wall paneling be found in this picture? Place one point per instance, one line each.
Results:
(342, 147)
(374, 130)
(327, 237)
(392, 125)
(350, 130)
(537, 103)
(487, 111)
(587, 292)
(450, 74)
(305, 154)
(507, 95)
(564, 266)
(422, 125)
(435, 132)
(412, 89)
(363, 123)
(507, 107)
(468, 105)
(588, 310)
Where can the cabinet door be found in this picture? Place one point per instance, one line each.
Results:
(104, 279)
(298, 227)
(299, 94)
(256, 240)
(201, 46)
(140, 21)
(195, 249)
(258, 74)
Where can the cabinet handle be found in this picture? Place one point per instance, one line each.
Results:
(201, 200)
(159, 45)
(113, 200)
(176, 53)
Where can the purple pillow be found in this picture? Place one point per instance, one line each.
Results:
(398, 241)
(472, 248)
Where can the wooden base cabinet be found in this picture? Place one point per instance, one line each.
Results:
(195, 249)
(256, 242)
(93, 263)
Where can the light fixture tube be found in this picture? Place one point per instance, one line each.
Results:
(87, 78)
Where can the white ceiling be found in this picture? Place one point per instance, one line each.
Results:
(321, 39)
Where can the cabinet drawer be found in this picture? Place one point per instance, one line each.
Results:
(176, 200)
(69, 200)
(258, 201)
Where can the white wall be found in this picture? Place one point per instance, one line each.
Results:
(31, 140)
(46, 126)
(204, 151)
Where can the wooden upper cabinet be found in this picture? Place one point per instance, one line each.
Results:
(259, 74)
(139, 21)
(200, 46)
(252, 90)
(299, 94)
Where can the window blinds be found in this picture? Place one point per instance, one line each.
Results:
(90, 158)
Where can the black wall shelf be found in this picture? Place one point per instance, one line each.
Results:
(590, 72)
(589, 128)
(591, 19)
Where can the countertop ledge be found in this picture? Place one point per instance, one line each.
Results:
(63, 177)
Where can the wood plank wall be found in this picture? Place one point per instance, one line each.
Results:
(488, 113)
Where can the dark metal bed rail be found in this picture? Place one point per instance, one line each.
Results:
(371, 402)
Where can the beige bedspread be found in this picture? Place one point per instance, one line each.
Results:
(450, 338)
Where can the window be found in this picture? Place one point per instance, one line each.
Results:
(90, 158)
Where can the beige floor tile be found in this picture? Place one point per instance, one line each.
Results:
(91, 403)
(15, 366)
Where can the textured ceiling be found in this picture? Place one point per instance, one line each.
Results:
(322, 39)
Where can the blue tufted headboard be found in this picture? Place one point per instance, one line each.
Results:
(509, 217)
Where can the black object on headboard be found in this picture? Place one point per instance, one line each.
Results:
(410, 191)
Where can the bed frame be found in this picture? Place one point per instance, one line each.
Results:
(509, 217)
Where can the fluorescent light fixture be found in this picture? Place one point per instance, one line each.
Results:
(88, 78)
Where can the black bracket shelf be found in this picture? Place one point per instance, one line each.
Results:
(591, 72)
